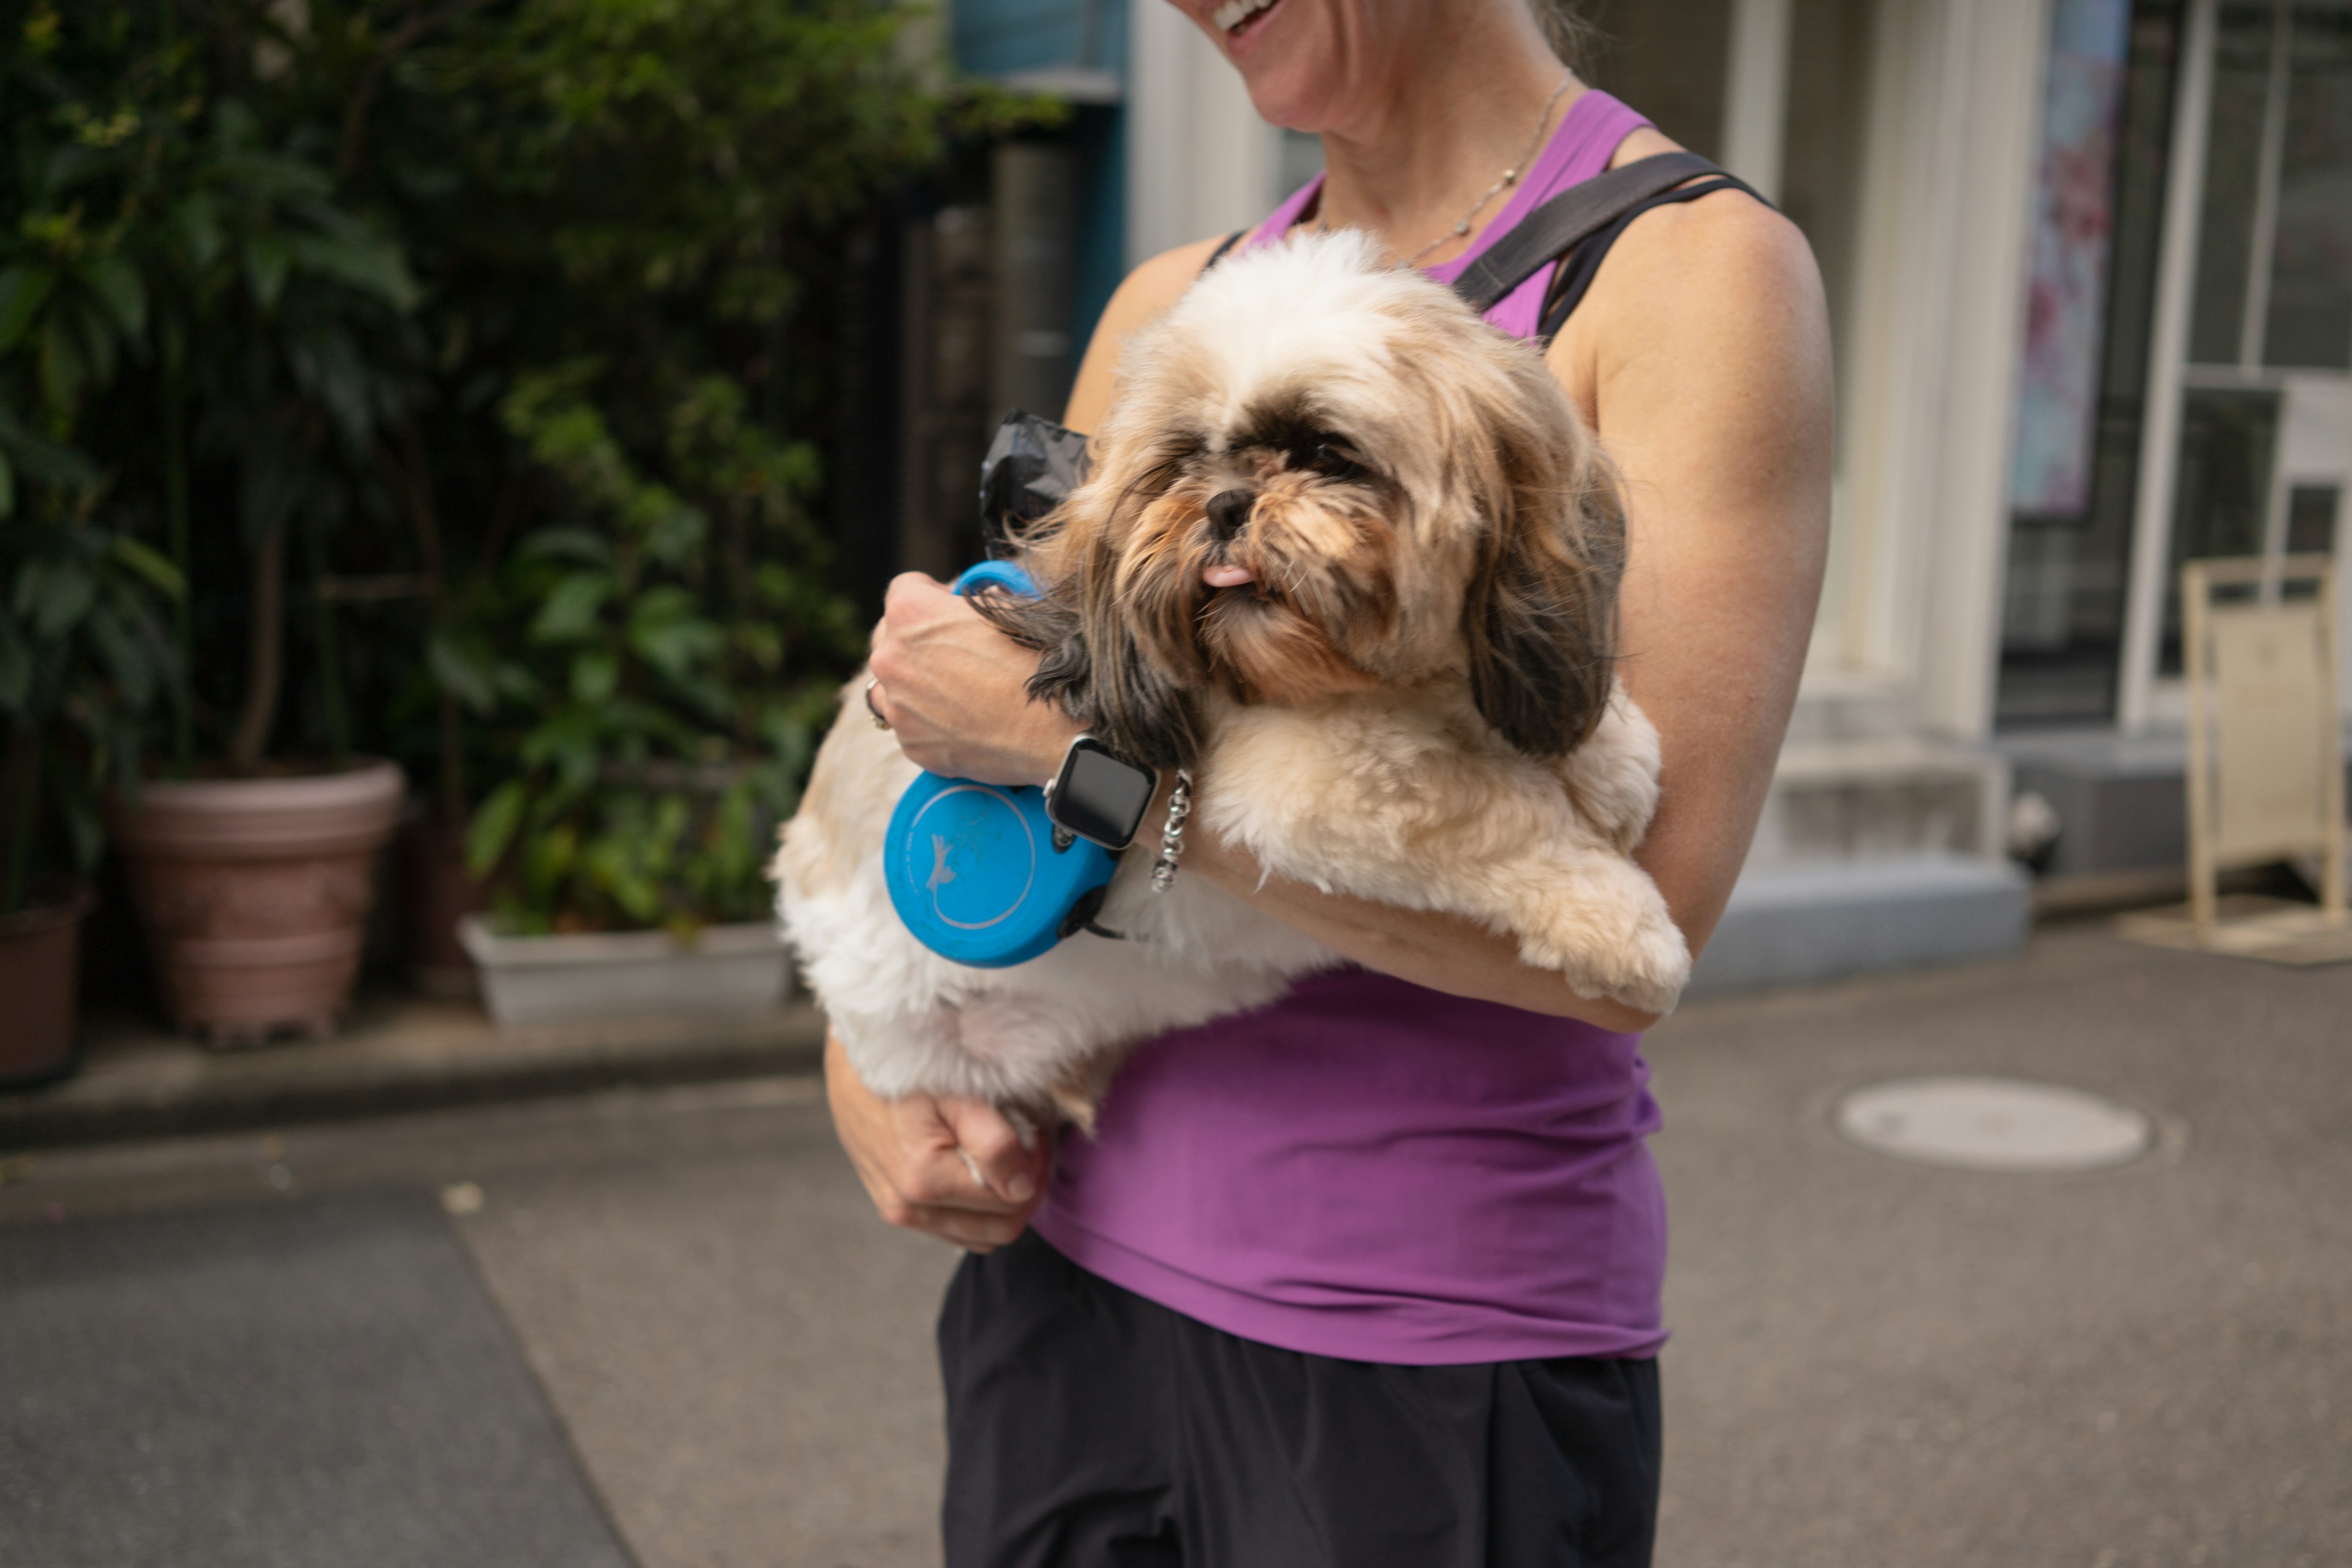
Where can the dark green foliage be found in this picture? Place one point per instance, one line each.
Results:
(667, 666)
(85, 658)
(490, 324)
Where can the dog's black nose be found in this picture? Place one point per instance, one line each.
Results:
(1229, 510)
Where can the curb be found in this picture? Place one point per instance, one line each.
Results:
(398, 1054)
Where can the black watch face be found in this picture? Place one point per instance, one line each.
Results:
(1100, 797)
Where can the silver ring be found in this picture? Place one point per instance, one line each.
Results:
(879, 721)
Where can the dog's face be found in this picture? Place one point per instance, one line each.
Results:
(1323, 475)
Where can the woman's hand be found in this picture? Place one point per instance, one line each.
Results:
(955, 690)
(912, 1156)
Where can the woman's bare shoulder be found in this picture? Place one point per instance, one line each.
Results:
(1158, 283)
(1719, 295)
(1724, 261)
(1144, 296)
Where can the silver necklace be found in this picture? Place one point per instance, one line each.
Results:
(1510, 177)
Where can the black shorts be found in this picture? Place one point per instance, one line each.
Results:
(1091, 1428)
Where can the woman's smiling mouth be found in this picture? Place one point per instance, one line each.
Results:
(1231, 16)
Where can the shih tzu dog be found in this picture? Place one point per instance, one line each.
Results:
(1351, 557)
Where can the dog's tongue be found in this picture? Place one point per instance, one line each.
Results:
(1227, 575)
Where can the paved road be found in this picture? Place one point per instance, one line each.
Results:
(1874, 1363)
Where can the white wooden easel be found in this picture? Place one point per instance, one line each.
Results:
(2265, 760)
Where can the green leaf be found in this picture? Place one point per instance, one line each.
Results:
(567, 742)
(47, 462)
(594, 675)
(116, 283)
(548, 857)
(66, 592)
(516, 682)
(493, 828)
(125, 659)
(8, 487)
(577, 544)
(24, 287)
(570, 612)
(63, 368)
(267, 258)
(369, 266)
(675, 646)
(761, 642)
(149, 563)
(464, 670)
(198, 219)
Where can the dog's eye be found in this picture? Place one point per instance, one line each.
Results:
(1333, 463)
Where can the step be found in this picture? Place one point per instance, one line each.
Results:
(1799, 924)
(1882, 797)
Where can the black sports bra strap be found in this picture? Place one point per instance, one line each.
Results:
(1560, 224)
(1219, 254)
(1582, 263)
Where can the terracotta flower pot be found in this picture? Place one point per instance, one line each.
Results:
(37, 947)
(255, 893)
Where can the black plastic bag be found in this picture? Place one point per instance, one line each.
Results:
(1031, 465)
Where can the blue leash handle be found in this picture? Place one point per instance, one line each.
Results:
(973, 869)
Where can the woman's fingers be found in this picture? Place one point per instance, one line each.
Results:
(919, 1174)
(932, 1169)
(1007, 1167)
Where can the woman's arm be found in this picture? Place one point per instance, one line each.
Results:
(1702, 358)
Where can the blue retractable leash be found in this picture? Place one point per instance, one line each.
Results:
(974, 869)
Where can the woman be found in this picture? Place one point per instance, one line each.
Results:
(1372, 1276)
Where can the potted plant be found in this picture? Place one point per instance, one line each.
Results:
(655, 205)
(83, 658)
(154, 220)
(659, 734)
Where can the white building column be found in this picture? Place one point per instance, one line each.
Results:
(1949, 185)
(1199, 160)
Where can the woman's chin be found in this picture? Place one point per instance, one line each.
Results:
(1288, 71)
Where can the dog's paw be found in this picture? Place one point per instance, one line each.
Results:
(1654, 966)
(1616, 942)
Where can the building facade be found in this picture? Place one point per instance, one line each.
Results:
(2089, 265)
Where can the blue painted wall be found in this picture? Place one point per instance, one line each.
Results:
(996, 36)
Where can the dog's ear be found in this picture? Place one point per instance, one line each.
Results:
(1092, 664)
(1126, 698)
(1540, 617)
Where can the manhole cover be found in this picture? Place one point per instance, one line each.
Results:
(1993, 1124)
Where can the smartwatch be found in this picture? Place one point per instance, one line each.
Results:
(1098, 796)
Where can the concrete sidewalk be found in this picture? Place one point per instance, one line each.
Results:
(1874, 1363)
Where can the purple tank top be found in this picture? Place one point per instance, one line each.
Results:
(1374, 1170)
